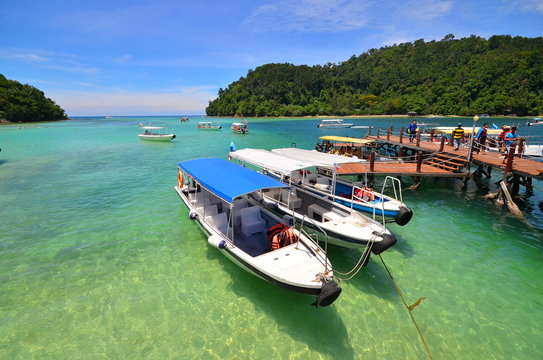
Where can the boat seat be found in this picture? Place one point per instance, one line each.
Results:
(251, 221)
(239, 203)
(295, 202)
(219, 221)
(207, 210)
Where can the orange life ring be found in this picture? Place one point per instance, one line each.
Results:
(179, 179)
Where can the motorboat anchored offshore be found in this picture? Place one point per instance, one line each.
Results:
(353, 194)
(534, 121)
(240, 127)
(222, 197)
(155, 133)
(334, 123)
(208, 125)
(339, 224)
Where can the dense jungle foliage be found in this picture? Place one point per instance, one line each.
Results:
(501, 75)
(25, 103)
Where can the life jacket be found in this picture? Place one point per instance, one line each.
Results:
(179, 179)
(364, 192)
(280, 236)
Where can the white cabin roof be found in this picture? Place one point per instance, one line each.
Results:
(268, 160)
(315, 157)
(152, 127)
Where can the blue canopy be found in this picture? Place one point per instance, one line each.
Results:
(227, 180)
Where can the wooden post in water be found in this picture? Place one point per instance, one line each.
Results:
(418, 138)
(401, 151)
(509, 160)
(389, 132)
(401, 135)
(442, 145)
(419, 161)
(369, 131)
(378, 132)
(372, 161)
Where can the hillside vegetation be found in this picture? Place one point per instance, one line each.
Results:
(25, 103)
(501, 75)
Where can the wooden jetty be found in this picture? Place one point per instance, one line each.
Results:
(433, 155)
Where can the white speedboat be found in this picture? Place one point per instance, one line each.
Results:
(208, 125)
(240, 127)
(357, 195)
(334, 123)
(155, 133)
(220, 195)
(341, 225)
(534, 121)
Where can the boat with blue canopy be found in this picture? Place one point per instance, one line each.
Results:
(224, 199)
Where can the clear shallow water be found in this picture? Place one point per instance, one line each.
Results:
(98, 259)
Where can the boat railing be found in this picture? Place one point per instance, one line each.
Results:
(365, 191)
(396, 185)
(316, 235)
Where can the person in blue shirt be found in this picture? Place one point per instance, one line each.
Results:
(412, 130)
(511, 138)
(480, 138)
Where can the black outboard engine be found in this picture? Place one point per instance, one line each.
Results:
(403, 216)
(387, 241)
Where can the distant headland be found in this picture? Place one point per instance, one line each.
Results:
(25, 103)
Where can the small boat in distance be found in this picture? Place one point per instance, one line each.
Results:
(221, 196)
(240, 127)
(184, 119)
(154, 133)
(208, 125)
(534, 121)
(334, 123)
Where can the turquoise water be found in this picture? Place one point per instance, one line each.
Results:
(98, 260)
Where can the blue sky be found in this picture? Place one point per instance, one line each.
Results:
(171, 57)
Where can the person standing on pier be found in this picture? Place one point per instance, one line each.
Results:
(501, 138)
(511, 139)
(412, 130)
(457, 136)
(481, 138)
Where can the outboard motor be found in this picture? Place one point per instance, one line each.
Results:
(403, 216)
(387, 240)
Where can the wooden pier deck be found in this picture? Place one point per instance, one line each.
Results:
(519, 166)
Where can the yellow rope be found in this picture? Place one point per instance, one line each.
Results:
(409, 308)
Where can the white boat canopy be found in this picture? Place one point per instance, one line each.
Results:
(152, 127)
(315, 157)
(267, 160)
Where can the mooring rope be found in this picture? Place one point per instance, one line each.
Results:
(360, 264)
(409, 308)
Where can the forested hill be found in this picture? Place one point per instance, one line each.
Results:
(25, 103)
(501, 75)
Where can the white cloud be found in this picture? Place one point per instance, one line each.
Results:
(524, 5)
(425, 9)
(325, 16)
(189, 100)
(22, 55)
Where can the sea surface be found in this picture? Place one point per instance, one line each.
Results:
(99, 260)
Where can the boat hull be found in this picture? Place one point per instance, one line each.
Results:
(157, 138)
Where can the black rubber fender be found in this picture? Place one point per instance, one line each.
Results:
(387, 241)
(329, 293)
(403, 216)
